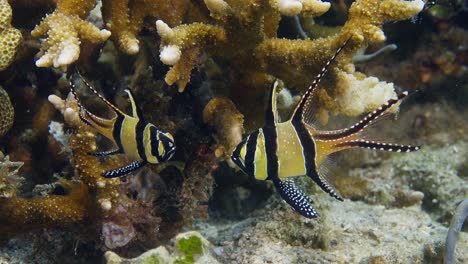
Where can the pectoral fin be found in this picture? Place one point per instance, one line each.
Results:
(106, 153)
(295, 197)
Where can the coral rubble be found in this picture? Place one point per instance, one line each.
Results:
(10, 37)
(190, 247)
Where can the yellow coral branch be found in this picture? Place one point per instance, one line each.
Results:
(10, 37)
(65, 29)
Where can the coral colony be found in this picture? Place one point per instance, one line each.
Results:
(191, 35)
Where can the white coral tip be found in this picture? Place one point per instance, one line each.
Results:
(133, 47)
(217, 7)
(418, 4)
(164, 30)
(68, 55)
(44, 61)
(70, 115)
(289, 7)
(56, 101)
(106, 204)
(170, 55)
(105, 34)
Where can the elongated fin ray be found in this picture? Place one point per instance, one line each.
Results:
(361, 143)
(136, 111)
(117, 110)
(305, 102)
(365, 122)
(103, 126)
(271, 117)
(119, 172)
(83, 113)
(295, 197)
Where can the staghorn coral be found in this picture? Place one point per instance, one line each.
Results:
(65, 28)
(10, 37)
(20, 214)
(244, 34)
(124, 18)
(7, 113)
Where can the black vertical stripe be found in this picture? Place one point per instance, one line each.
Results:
(309, 151)
(251, 148)
(139, 132)
(155, 143)
(308, 147)
(270, 112)
(116, 130)
(269, 132)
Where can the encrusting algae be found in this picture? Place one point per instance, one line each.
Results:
(10, 37)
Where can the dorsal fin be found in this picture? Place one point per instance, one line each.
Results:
(81, 108)
(271, 117)
(117, 110)
(304, 104)
(136, 111)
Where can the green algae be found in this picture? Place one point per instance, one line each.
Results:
(153, 259)
(189, 247)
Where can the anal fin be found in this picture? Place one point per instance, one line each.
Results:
(295, 197)
(119, 172)
(326, 187)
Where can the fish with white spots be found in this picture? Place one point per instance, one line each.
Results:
(279, 151)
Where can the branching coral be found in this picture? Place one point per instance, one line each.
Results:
(7, 113)
(19, 214)
(10, 37)
(66, 28)
(244, 34)
(124, 18)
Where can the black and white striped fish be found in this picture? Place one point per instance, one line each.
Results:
(140, 141)
(279, 151)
